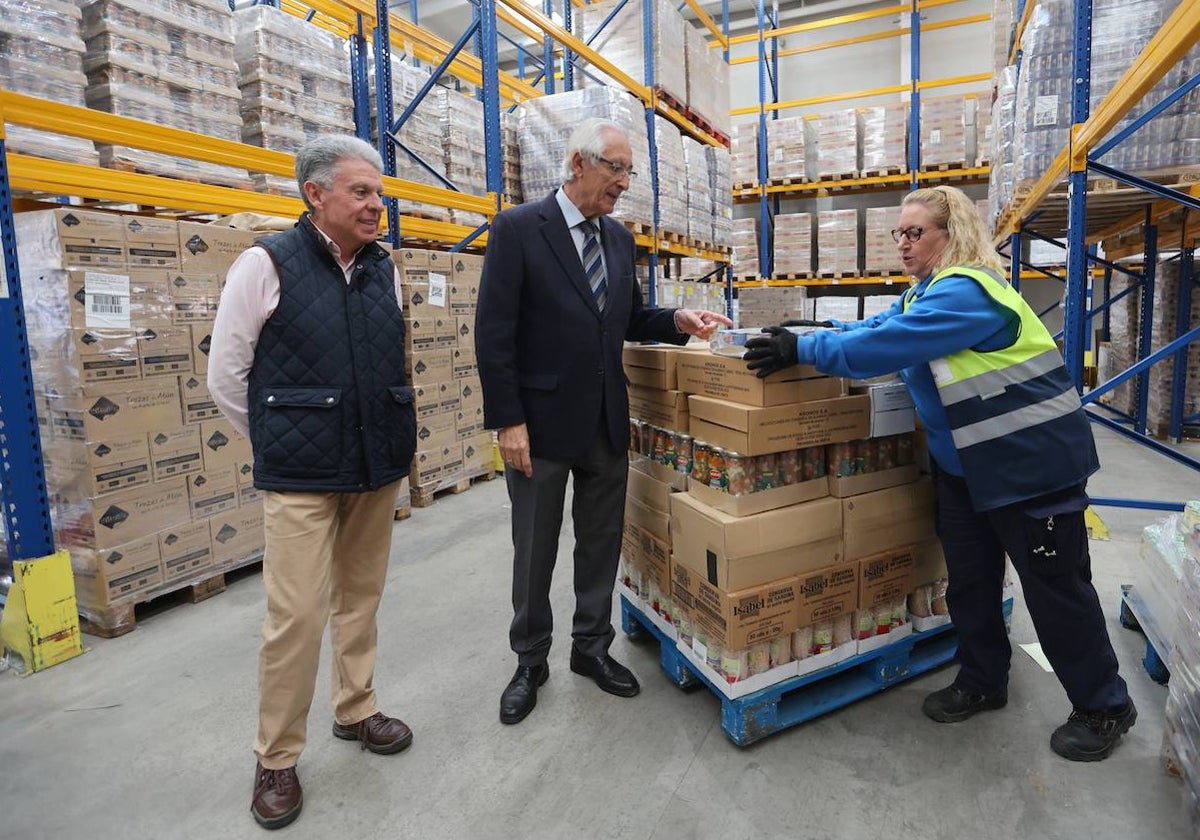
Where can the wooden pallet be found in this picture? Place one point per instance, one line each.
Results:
(166, 171)
(943, 167)
(423, 497)
(746, 278)
(637, 227)
(796, 700)
(792, 275)
(838, 176)
(884, 171)
(673, 237)
(835, 275)
(121, 618)
(744, 185)
(672, 100)
(789, 182)
(878, 272)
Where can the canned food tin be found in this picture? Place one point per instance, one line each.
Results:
(662, 440)
(789, 467)
(840, 458)
(717, 479)
(885, 452)
(700, 451)
(866, 458)
(684, 449)
(739, 477)
(647, 447)
(635, 435)
(812, 462)
(766, 472)
(670, 445)
(904, 449)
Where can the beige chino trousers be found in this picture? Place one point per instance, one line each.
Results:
(326, 561)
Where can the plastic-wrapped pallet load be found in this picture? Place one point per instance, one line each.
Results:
(421, 136)
(760, 306)
(745, 249)
(744, 147)
(720, 184)
(980, 149)
(169, 62)
(622, 42)
(879, 251)
(944, 131)
(41, 54)
(837, 243)
(699, 191)
(1000, 181)
(694, 268)
(785, 150)
(1163, 330)
(883, 133)
(546, 122)
(1173, 547)
(294, 85)
(510, 158)
(1120, 352)
(1003, 14)
(707, 79)
(793, 245)
(461, 119)
(874, 304)
(832, 140)
(672, 187)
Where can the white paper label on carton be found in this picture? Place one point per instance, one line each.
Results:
(106, 299)
(935, 136)
(437, 290)
(1045, 110)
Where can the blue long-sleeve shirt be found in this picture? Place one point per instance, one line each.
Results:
(953, 315)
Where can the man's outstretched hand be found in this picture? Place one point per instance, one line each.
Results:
(773, 351)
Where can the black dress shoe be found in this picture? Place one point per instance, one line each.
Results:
(520, 695)
(608, 673)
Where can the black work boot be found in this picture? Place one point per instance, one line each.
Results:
(952, 704)
(1092, 736)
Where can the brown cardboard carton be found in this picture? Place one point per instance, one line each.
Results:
(103, 357)
(739, 619)
(430, 366)
(854, 485)
(97, 467)
(452, 461)
(195, 401)
(163, 253)
(477, 453)
(761, 501)
(447, 333)
(118, 574)
(201, 344)
(426, 398)
(212, 249)
(648, 519)
(115, 298)
(166, 351)
(759, 431)
(426, 468)
(734, 552)
(127, 409)
(118, 560)
(665, 409)
(248, 494)
(437, 430)
(463, 362)
(654, 366)
(223, 446)
(185, 550)
(727, 378)
(649, 491)
(826, 593)
(128, 515)
(468, 422)
(150, 229)
(213, 492)
(929, 562)
(237, 535)
(470, 393)
(654, 557)
(886, 577)
(449, 397)
(194, 298)
(71, 237)
(467, 267)
(887, 519)
(175, 452)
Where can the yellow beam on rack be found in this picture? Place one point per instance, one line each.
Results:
(978, 173)
(722, 40)
(948, 24)
(577, 46)
(824, 23)
(820, 100)
(933, 4)
(521, 25)
(1026, 16)
(298, 9)
(686, 125)
(955, 80)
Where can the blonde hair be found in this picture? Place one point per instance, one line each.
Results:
(968, 242)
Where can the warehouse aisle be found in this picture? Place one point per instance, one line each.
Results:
(149, 735)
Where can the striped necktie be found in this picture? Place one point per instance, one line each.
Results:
(593, 266)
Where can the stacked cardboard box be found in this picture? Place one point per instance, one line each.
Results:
(169, 62)
(832, 140)
(440, 292)
(883, 135)
(672, 189)
(547, 121)
(41, 54)
(617, 30)
(699, 191)
(294, 85)
(687, 294)
(1163, 330)
(720, 186)
(761, 306)
(1000, 181)
(793, 244)
(944, 121)
(151, 489)
(786, 162)
(981, 149)
(743, 145)
(464, 150)
(879, 251)
(707, 79)
(837, 242)
(745, 249)
(510, 158)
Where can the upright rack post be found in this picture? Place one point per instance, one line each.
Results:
(652, 143)
(1077, 261)
(383, 103)
(914, 97)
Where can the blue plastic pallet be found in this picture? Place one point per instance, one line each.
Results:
(798, 699)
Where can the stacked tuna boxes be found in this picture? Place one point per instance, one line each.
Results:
(793, 246)
(944, 121)
(879, 251)
(699, 191)
(832, 140)
(883, 139)
(786, 162)
(463, 148)
(837, 243)
(151, 489)
(421, 136)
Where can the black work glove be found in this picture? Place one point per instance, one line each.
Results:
(773, 351)
(805, 322)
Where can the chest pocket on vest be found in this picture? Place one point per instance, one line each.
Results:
(302, 430)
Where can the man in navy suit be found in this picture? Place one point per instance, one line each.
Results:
(557, 301)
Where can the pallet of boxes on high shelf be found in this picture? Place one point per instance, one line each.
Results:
(294, 83)
(169, 62)
(151, 490)
(463, 148)
(779, 537)
(41, 54)
(453, 447)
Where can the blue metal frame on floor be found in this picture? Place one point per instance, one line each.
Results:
(799, 699)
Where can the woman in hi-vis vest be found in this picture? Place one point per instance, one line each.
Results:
(1010, 449)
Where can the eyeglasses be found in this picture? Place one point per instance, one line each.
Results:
(618, 169)
(912, 234)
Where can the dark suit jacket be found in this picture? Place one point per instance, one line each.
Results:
(547, 357)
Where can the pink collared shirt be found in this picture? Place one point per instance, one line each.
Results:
(249, 298)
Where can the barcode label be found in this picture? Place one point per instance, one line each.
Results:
(106, 299)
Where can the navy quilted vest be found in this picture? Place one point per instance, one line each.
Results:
(330, 410)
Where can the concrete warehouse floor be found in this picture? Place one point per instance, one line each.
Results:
(149, 735)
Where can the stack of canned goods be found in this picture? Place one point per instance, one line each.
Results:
(859, 457)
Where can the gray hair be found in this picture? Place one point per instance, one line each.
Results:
(590, 142)
(317, 159)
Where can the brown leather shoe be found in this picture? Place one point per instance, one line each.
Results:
(378, 733)
(277, 797)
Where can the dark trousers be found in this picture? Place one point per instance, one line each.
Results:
(1050, 554)
(597, 512)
